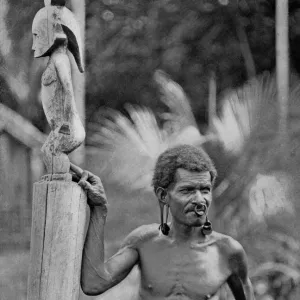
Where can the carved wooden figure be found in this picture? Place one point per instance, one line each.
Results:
(55, 31)
(59, 206)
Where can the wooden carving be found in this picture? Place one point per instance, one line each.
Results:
(55, 31)
(59, 206)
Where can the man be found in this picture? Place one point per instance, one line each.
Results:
(180, 260)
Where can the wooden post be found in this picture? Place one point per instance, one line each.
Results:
(282, 65)
(78, 8)
(57, 237)
(59, 205)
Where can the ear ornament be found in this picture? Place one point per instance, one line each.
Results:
(164, 227)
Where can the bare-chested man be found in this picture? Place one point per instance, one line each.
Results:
(180, 260)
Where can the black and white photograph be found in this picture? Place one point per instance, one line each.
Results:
(149, 149)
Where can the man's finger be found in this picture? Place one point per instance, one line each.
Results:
(84, 184)
(84, 176)
(77, 170)
(94, 179)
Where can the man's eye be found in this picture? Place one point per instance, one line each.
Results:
(205, 191)
(187, 190)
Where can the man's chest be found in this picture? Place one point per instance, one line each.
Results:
(194, 271)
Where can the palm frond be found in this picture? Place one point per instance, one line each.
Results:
(245, 112)
(252, 192)
(131, 145)
(173, 96)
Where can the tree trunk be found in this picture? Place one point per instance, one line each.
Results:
(282, 65)
(245, 50)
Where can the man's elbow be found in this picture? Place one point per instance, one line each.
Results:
(93, 286)
(89, 291)
(93, 289)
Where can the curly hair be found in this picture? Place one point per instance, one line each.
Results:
(186, 157)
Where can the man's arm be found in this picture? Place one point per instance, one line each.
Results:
(239, 281)
(97, 276)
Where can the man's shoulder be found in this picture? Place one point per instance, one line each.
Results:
(141, 234)
(228, 243)
(234, 253)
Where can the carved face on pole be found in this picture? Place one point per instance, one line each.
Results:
(52, 25)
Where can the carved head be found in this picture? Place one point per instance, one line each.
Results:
(52, 26)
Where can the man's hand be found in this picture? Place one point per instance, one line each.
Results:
(93, 186)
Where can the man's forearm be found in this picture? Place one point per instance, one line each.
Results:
(93, 273)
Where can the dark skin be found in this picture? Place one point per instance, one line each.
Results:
(184, 265)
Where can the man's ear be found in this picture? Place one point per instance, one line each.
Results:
(161, 195)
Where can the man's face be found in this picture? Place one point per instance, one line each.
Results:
(190, 189)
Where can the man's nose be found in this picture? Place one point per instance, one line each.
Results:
(198, 198)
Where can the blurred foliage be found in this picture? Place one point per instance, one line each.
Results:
(127, 40)
(19, 72)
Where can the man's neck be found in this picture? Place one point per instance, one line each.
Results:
(183, 233)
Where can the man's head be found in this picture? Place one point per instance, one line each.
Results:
(184, 157)
(183, 180)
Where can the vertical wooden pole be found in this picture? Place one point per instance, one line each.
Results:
(59, 205)
(282, 64)
(57, 237)
(78, 8)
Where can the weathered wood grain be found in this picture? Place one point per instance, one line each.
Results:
(60, 205)
(37, 240)
(58, 228)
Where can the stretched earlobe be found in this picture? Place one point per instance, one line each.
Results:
(164, 227)
(161, 194)
(207, 227)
